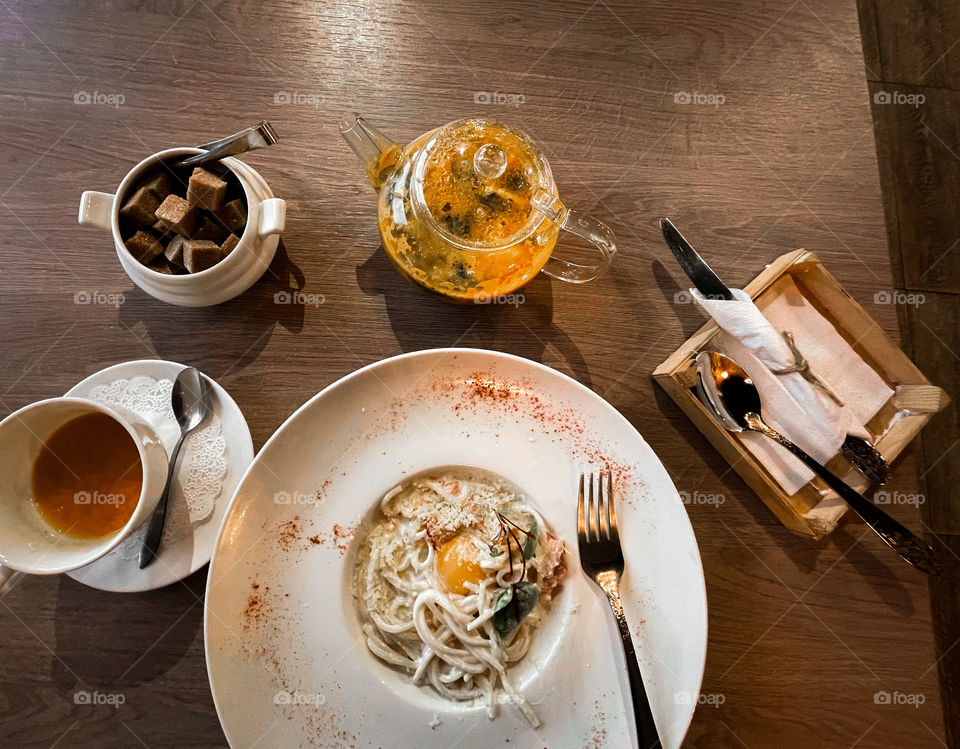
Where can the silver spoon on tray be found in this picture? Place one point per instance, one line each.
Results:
(861, 453)
(730, 395)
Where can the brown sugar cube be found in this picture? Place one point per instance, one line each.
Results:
(212, 230)
(233, 215)
(205, 189)
(174, 251)
(140, 207)
(160, 265)
(229, 244)
(176, 214)
(200, 254)
(144, 246)
(160, 183)
(163, 232)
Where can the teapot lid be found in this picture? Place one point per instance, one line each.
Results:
(476, 180)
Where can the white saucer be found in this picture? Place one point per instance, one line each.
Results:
(185, 555)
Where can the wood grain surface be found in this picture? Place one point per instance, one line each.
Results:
(911, 51)
(803, 635)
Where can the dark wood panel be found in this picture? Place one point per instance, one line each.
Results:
(912, 42)
(918, 147)
(911, 49)
(945, 598)
(931, 327)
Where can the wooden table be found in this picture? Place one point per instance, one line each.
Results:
(803, 635)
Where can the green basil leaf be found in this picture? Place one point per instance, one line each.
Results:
(530, 547)
(507, 613)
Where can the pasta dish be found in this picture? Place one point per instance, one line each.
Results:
(454, 575)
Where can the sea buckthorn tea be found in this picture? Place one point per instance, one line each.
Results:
(477, 233)
(87, 477)
(470, 212)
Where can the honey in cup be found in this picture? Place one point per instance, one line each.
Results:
(87, 477)
(469, 231)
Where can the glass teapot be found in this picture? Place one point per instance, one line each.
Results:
(470, 211)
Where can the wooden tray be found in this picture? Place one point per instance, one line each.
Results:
(897, 427)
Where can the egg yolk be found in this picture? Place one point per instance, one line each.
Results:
(458, 564)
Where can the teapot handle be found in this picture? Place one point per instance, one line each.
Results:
(595, 232)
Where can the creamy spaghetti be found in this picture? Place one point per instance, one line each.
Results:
(451, 580)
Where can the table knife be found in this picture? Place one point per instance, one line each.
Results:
(859, 452)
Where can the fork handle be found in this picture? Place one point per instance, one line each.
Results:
(647, 735)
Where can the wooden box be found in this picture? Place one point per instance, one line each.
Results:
(896, 426)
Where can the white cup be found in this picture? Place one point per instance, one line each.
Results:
(27, 542)
(237, 272)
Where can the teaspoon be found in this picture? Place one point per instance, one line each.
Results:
(190, 400)
(730, 395)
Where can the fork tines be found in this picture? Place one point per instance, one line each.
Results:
(596, 515)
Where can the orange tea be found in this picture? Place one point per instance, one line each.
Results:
(88, 476)
(470, 230)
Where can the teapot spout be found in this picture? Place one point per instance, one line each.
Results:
(377, 153)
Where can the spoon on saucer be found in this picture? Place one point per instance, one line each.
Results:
(730, 395)
(190, 400)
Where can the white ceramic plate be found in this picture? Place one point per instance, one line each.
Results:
(285, 657)
(117, 571)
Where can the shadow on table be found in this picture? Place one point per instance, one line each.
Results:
(111, 641)
(420, 321)
(234, 332)
(678, 298)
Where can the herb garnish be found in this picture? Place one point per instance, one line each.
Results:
(507, 618)
(523, 594)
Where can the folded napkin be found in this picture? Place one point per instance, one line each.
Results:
(792, 405)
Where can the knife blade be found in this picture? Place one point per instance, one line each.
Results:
(700, 274)
(860, 453)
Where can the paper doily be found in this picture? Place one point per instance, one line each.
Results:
(201, 466)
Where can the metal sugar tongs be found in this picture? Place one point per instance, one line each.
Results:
(259, 136)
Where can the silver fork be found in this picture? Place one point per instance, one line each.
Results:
(601, 557)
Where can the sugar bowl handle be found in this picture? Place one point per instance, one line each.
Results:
(273, 217)
(595, 232)
(96, 209)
